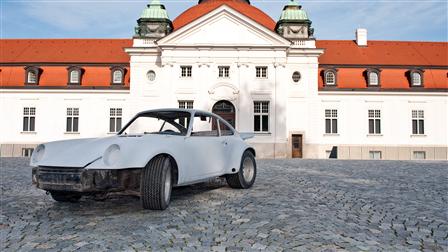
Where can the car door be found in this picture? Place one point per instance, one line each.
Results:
(204, 149)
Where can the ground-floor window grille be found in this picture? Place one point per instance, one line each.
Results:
(185, 105)
(419, 155)
(418, 122)
(29, 119)
(375, 121)
(375, 154)
(72, 120)
(115, 119)
(331, 121)
(27, 152)
(261, 116)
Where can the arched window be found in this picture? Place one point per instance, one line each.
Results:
(32, 75)
(117, 75)
(74, 75)
(373, 77)
(416, 77)
(330, 78)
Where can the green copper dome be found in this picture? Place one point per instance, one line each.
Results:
(293, 11)
(155, 10)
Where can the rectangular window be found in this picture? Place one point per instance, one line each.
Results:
(261, 72)
(419, 155)
(418, 122)
(185, 71)
(261, 116)
(185, 105)
(32, 77)
(27, 152)
(224, 71)
(375, 154)
(29, 119)
(74, 77)
(375, 121)
(72, 120)
(115, 119)
(331, 121)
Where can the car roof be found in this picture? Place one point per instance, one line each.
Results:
(191, 111)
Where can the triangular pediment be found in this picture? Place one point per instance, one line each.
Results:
(224, 27)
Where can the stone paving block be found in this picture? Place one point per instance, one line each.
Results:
(295, 205)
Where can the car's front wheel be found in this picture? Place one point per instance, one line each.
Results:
(245, 177)
(63, 196)
(156, 184)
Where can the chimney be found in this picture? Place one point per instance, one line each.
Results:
(361, 37)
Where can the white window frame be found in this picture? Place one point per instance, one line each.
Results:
(374, 79)
(27, 152)
(261, 108)
(117, 76)
(419, 155)
(418, 116)
(375, 155)
(185, 104)
(32, 77)
(333, 77)
(29, 119)
(75, 76)
(261, 72)
(331, 115)
(115, 119)
(223, 72)
(416, 81)
(374, 115)
(186, 71)
(72, 114)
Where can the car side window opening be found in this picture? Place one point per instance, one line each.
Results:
(225, 130)
(203, 126)
(161, 123)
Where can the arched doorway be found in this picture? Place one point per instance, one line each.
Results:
(226, 110)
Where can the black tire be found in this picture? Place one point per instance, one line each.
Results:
(154, 194)
(238, 180)
(62, 196)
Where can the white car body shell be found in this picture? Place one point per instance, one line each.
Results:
(197, 158)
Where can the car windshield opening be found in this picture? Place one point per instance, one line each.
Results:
(160, 123)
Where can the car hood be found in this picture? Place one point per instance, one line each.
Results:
(80, 153)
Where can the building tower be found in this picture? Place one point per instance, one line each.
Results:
(154, 22)
(294, 23)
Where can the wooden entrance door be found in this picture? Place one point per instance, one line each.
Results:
(297, 146)
(226, 110)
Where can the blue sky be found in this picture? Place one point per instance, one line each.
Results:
(425, 20)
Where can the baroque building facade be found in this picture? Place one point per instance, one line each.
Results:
(302, 97)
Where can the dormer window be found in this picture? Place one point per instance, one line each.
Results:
(416, 78)
(117, 75)
(330, 77)
(74, 75)
(32, 75)
(373, 77)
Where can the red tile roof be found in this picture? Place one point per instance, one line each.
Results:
(384, 53)
(64, 50)
(206, 7)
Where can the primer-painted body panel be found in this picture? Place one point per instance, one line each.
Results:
(197, 157)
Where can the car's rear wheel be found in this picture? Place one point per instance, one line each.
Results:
(63, 196)
(245, 177)
(156, 184)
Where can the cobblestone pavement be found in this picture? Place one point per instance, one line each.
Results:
(295, 205)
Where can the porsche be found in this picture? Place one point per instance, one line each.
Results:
(154, 152)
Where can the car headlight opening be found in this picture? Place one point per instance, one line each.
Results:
(38, 153)
(112, 155)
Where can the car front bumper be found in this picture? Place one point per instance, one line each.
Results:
(83, 180)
